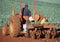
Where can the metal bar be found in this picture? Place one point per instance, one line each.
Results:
(20, 6)
(34, 6)
(13, 8)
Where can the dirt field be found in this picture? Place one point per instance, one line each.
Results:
(23, 39)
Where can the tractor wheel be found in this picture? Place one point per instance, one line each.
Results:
(38, 33)
(27, 34)
(14, 26)
(32, 34)
(53, 33)
(5, 29)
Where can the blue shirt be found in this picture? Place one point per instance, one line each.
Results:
(27, 12)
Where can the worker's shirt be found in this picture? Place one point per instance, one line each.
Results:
(27, 12)
(22, 11)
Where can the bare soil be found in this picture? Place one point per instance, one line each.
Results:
(24, 39)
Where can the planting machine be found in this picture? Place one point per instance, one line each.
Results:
(35, 29)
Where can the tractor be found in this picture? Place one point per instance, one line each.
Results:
(40, 27)
(35, 29)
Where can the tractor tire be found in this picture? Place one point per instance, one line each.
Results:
(14, 26)
(53, 33)
(32, 34)
(5, 29)
(27, 35)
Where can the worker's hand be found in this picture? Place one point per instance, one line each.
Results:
(31, 18)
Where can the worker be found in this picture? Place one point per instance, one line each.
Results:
(26, 13)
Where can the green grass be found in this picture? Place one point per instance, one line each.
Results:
(49, 9)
